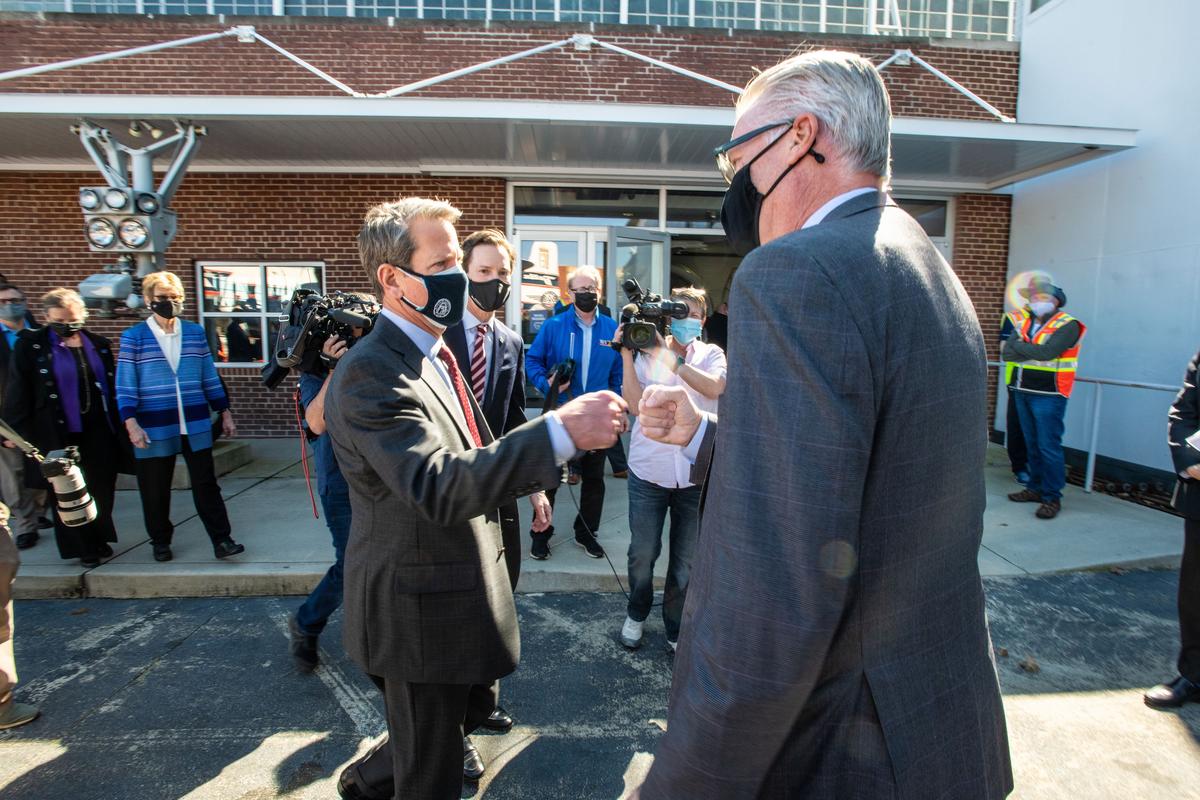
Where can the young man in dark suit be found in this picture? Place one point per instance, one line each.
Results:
(25, 504)
(834, 642)
(1184, 424)
(492, 355)
(429, 611)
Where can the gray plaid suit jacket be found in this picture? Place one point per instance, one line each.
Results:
(834, 641)
(427, 591)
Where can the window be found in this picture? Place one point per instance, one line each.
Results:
(930, 214)
(241, 303)
(694, 209)
(551, 205)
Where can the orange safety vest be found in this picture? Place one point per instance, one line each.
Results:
(1056, 376)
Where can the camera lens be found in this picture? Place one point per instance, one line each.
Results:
(640, 335)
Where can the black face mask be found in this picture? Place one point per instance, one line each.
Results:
(586, 301)
(447, 296)
(167, 309)
(743, 202)
(66, 329)
(490, 295)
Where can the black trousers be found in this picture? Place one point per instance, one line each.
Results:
(422, 756)
(97, 462)
(591, 496)
(1189, 602)
(154, 484)
(1014, 439)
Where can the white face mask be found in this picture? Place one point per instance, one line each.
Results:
(1042, 307)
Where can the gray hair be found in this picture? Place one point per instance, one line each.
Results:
(385, 238)
(66, 299)
(585, 271)
(844, 91)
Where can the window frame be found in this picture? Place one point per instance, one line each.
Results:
(263, 315)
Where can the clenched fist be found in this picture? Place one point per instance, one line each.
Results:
(668, 415)
(595, 420)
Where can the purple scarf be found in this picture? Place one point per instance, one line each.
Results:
(66, 375)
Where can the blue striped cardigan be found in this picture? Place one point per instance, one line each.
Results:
(146, 388)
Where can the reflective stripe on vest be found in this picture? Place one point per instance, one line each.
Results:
(1063, 368)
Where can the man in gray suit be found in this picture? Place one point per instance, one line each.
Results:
(834, 642)
(429, 610)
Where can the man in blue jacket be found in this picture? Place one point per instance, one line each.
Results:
(583, 335)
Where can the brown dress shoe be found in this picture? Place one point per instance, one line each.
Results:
(1025, 496)
(1048, 510)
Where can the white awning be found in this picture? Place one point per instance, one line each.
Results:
(516, 140)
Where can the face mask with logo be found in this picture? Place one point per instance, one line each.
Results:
(743, 202)
(1042, 308)
(490, 295)
(66, 329)
(685, 331)
(446, 296)
(586, 301)
(12, 311)
(167, 309)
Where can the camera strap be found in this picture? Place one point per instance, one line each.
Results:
(22, 445)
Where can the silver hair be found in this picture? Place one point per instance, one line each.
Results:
(845, 93)
(67, 299)
(586, 271)
(385, 237)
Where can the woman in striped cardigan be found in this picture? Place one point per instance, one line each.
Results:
(166, 384)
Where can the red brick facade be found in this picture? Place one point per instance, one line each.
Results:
(296, 217)
(371, 57)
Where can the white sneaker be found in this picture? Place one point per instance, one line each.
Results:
(631, 633)
(674, 645)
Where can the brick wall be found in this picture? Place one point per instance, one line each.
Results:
(224, 217)
(372, 57)
(981, 227)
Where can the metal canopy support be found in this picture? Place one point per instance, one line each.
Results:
(906, 57)
(133, 51)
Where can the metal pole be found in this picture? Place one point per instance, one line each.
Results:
(319, 73)
(979, 101)
(665, 65)
(133, 51)
(1091, 459)
(458, 73)
(143, 171)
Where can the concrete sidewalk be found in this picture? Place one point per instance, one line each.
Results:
(287, 550)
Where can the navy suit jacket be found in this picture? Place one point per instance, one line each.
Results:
(504, 398)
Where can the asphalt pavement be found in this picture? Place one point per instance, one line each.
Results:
(198, 699)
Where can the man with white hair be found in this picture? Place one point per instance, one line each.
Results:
(581, 335)
(834, 641)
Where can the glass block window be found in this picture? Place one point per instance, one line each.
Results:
(241, 303)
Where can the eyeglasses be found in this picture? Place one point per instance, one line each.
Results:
(725, 164)
(579, 289)
(10, 301)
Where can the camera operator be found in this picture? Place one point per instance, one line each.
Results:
(581, 335)
(310, 619)
(658, 473)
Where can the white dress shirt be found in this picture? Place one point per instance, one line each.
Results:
(665, 464)
(471, 325)
(172, 345)
(429, 345)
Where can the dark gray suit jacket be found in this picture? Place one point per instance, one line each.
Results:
(834, 641)
(427, 592)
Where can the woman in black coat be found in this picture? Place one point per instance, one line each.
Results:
(62, 392)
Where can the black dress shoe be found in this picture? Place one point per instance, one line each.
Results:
(162, 552)
(472, 761)
(44, 523)
(1173, 694)
(106, 551)
(303, 647)
(27, 540)
(227, 547)
(90, 561)
(370, 777)
(498, 721)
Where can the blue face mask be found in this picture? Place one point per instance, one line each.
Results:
(685, 331)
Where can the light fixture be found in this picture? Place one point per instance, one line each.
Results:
(116, 199)
(89, 199)
(101, 233)
(132, 233)
(146, 203)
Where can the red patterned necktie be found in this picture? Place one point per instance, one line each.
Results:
(460, 389)
(479, 364)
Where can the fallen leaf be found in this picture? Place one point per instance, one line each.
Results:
(660, 723)
(1118, 570)
(1030, 665)
(1004, 652)
(76, 612)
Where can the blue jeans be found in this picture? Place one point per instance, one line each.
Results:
(648, 506)
(1042, 422)
(327, 597)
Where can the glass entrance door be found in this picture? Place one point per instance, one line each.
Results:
(550, 254)
(643, 255)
